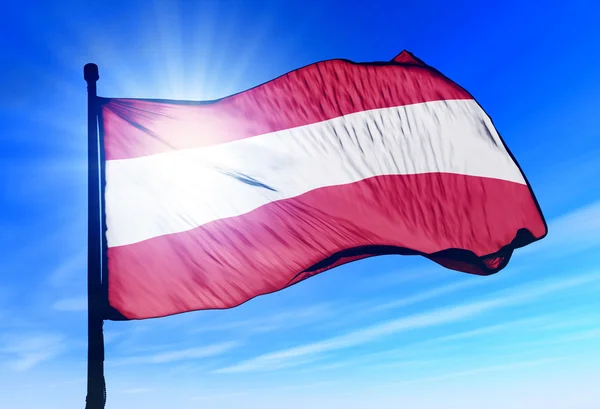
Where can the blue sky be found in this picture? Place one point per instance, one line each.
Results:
(386, 332)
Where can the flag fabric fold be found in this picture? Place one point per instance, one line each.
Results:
(209, 204)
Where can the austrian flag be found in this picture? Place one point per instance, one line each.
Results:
(209, 204)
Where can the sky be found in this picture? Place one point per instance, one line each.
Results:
(387, 332)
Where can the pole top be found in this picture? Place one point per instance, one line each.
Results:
(90, 72)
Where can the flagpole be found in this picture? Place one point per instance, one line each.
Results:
(96, 394)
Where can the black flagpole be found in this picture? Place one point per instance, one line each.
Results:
(96, 394)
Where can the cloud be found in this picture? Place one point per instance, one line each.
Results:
(366, 309)
(26, 351)
(286, 319)
(311, 385)
(72, 268)
(579, 336)
(570, 323)
(71, 304)
(490, 329)
(566, 339)
(389, 356)
(476, 371)
(219, 396)
(441, 316)
(576, 231)
(110, 336)
(68, 382)
(272, 365)
(403, 276)
(428, 295)
(177, 355)
(136, 391)
(404, 364)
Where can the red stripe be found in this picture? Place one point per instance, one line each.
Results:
(315, 93)
(229, 261)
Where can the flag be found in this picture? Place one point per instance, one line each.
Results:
(209, 204)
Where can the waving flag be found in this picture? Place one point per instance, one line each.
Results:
(209, 204)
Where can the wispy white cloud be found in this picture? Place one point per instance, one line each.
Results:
(414, 363)
(442, 344)
(441, 316)
(26, 351)
(67, 382)
(403, 276)
(262, 390)
(73, 267)
(576, 231)
(428, 295)
(439, 346)
(367, 308)
(578, 336)
(177, 355)
(499, 350)
(476, 371)
(565, 321)
(135, 391)
(489, 329)
(219, 396)
(72, 304)
(268, 364)
(110, 336)
(546, 341)
(286, 319)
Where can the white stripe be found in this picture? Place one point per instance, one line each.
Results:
(177, 191)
